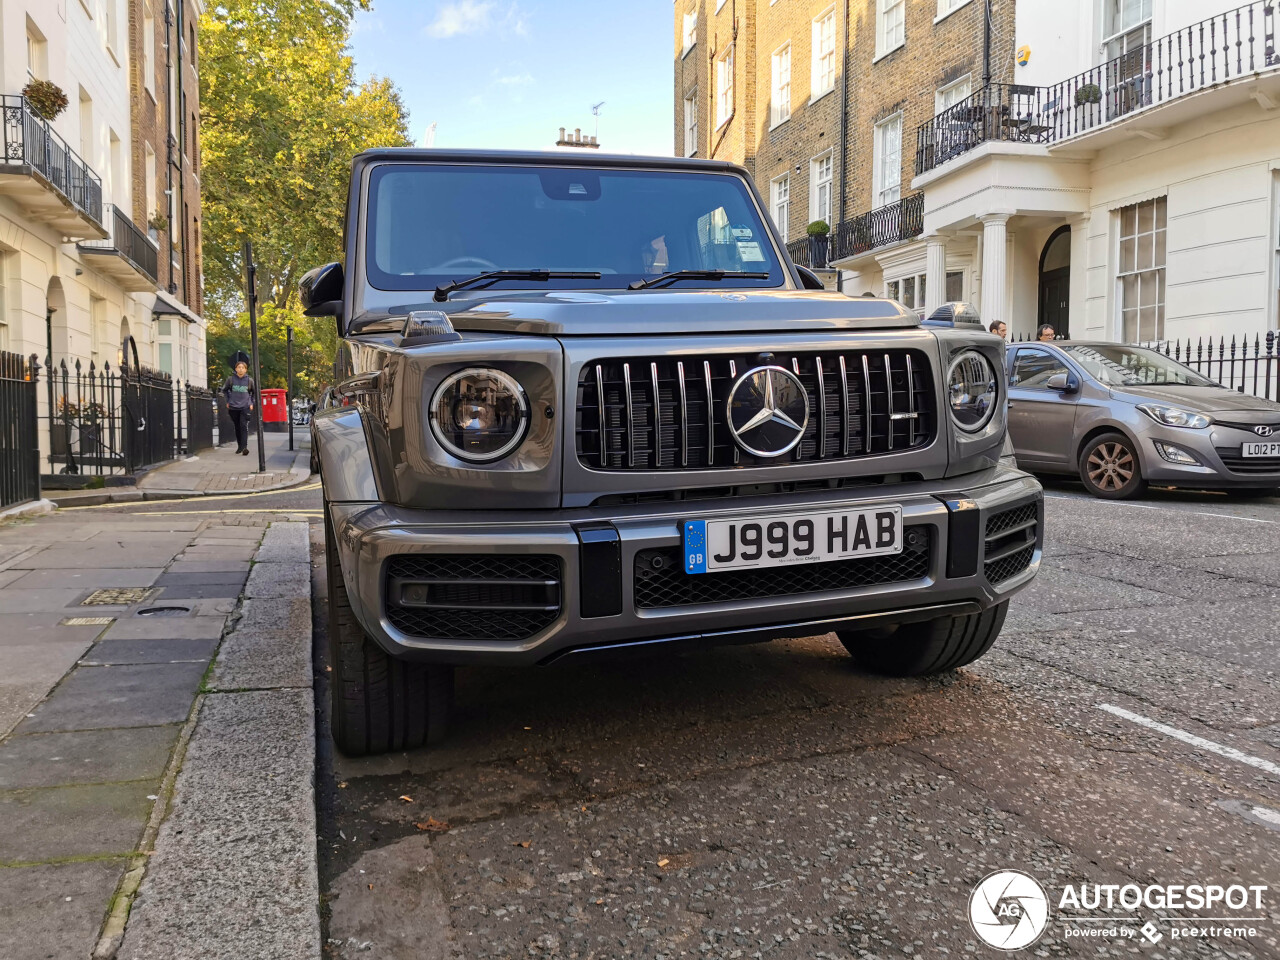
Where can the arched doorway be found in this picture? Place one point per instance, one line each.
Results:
(56, 335)
(1055, 282)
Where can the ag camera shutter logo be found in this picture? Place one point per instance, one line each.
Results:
(1009, 910)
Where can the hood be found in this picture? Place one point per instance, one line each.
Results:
(1220, 402)
(637, 313)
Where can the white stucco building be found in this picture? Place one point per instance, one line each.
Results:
(1126, 185)
(77, 275)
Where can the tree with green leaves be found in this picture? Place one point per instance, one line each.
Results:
(281, 117)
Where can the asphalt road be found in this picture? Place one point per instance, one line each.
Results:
(772, 801)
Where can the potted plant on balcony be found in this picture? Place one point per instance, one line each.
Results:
(157, 223)
(818, 231)
(45, 97)
(1086, 97)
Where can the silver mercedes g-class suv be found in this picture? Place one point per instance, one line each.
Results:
(588, 403)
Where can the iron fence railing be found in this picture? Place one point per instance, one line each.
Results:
(809, 252)
(104, 422)
(19, 451)
(28, 139)
(1226, 46)
(128, 239)
(226, 429)
(893, 223)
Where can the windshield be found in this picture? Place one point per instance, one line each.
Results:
(1121, 366)
(429, 224)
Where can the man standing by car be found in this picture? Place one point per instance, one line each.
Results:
(1046, 333)
(999, 328)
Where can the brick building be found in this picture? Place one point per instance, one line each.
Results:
(1114, 172)
(164, 107)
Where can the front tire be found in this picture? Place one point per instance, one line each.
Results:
(378, 703)
(927, 647)
(1110, 469)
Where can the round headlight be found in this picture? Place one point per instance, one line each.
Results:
(479, 414)
(972, 393)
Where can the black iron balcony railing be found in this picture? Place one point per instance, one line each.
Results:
(1224, 47)
(29, 140)
(809, 252)
(128, 240)
(893, 223)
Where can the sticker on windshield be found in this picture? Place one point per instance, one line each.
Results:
(750, 252)
(742, 233)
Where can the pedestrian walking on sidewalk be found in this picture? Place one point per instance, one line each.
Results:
(242, 398)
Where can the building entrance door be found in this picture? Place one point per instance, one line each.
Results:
(1055, 282)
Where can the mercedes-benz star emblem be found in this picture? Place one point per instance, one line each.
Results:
(768, 411)
(1263, 430)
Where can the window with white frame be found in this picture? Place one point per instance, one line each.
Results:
(691, 124)
(111, 25)
(820, 189)
(952, 93)
(724, 88)
(1140, 276)
(780, 203)
(887, 161)
(780, 99)
(908, 291)
(955, 286)
(689, 31)
(148, 50)
(823, 67)
(37, 53)
(949, 6)
(1126, 28)
(891, 25)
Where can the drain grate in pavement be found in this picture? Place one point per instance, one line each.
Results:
(164, 611)
(116, 596)
(85, 621)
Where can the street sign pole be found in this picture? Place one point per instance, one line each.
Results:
(251, 298)
(288, 393)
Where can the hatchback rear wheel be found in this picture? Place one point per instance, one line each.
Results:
(1110, 469)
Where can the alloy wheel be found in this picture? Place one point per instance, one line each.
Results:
(1111, 466)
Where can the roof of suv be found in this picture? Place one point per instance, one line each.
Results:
(567, 157)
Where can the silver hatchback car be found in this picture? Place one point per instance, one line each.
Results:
(1121, 417)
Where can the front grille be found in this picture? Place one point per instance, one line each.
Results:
(1232, 460)
(472, 596)
(782, 489)
(1010, 542)
(660, 580)
(860, 404)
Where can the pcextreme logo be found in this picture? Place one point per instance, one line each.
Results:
(1009, 910)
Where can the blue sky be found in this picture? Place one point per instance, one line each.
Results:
(510, 73)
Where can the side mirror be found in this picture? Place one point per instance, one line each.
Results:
(321, 292)
(809, 280)
(1063, 382)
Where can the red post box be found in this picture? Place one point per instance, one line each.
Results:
(275, 411)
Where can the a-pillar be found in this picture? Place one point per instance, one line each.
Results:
(995, 291)
(935, 274)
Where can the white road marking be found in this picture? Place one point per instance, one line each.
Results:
(1192, 740)
(1160, 506)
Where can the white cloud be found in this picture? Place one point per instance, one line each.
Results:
(477, 16)
(513, 80)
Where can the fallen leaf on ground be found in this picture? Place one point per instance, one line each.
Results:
(598, 902)
(663, 862)
(520, 843)
(434, 826)
(406, 798)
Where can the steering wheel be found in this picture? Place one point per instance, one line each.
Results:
(465, 263)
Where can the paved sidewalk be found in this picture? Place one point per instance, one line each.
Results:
(220, 470)
(99, 693)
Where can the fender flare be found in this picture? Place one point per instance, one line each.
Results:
(346, 467)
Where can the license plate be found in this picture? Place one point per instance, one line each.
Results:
(786, 539)
(1269, 448)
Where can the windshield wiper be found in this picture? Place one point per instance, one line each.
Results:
(493, 276)
(695, 275)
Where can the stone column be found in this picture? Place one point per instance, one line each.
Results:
(935, 274)
(995, 302)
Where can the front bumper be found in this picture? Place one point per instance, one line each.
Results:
(1216, 449)
(953, 513)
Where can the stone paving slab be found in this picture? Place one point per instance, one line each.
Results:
(25, 629)
(85, 756)
(32, 670)
(279, 580)
(213, 879)
(185, 649)
(93, 698)
(38, 601)
(170, 579)
(209, 566)
(193, 591)
(51, 912)
(87, 579)
(62, 557)
(270, 647)
(284, 542)
(54, 823)
(166, 628)
(243, 553)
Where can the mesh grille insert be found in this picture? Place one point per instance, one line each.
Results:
(667, 585)
(473, 596)
(1010, 542)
